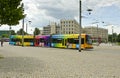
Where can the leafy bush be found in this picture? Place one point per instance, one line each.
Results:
(1, 57)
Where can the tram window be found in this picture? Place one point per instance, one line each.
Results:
(56, 40)
(15, 40)
(70, 40)
(42, 40)
(88, 39)
(28, 40)
(76, 41)
(73, 41)
(82, 41)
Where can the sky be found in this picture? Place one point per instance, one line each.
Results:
(105, 13)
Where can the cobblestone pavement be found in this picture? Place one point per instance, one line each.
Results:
(36, 62)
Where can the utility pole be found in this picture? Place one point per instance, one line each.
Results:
(23, 29)
(80, 20)
(97, 36)
(9, 30)
(26, 27)
(23, 32)
(112, 35)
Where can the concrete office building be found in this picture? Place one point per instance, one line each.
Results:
(97, 33)
(72, 27)
(53, 28)
(41, 32)
(46, 30)
(65, 27)
(69, 26)
(58, 29)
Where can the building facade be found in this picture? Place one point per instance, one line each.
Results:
(65, 27)
(46, 30)
(53, 28)
(98, 34)
(41, 32)
(72, 27)
(69, 26)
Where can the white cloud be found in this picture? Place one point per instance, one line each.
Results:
(41, 12)
(113, 28)
(96, 4)
(4, 27)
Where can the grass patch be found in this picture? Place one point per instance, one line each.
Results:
(1, 57)
(119, 43)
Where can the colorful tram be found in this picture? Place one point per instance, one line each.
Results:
(57, 41)
(71, 41)
(17, 40)
(42, 40)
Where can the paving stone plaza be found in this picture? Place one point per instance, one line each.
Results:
(39, 62)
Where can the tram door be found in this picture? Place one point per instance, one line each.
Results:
(64, 42)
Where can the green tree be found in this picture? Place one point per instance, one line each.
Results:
(13, 32)
(11, 11)
(114, 37)
(110, 38)
(5, 35)
(118, 38)
(36, 31)
(19, 32)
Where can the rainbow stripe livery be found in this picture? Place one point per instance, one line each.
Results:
(17, 40)
(57, 41)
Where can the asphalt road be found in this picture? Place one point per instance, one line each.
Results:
(39, 62)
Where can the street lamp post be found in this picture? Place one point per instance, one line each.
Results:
(112, 35)
(10, 30)
(112, 31)
(80, 21)
(97, 39)
(26, 27)
(23, 32)
(97, 36)
(34, 34)
(89, 10)
(29, 23)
